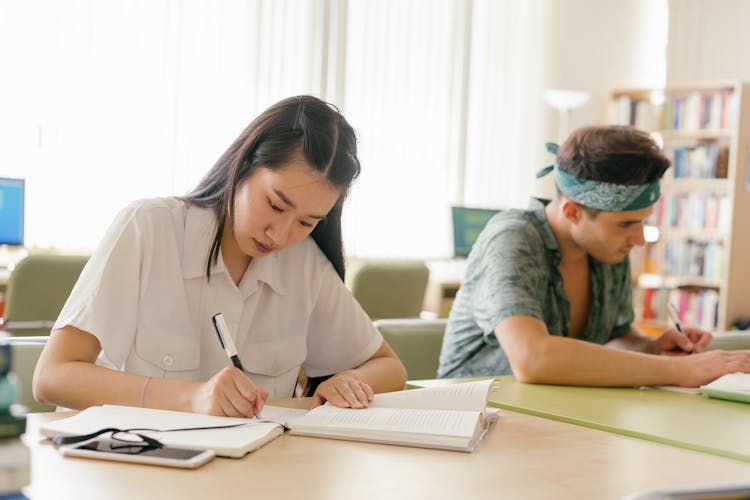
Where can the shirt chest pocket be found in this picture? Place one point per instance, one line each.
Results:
(273, 358)
(166, 353)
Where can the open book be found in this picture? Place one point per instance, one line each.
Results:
(227, 442)
(732, 386)
(450, 417)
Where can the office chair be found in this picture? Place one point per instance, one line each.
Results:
(37, 290)
(417, 342)
(389, 288)
(25, 352)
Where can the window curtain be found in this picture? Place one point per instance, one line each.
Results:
(106, 101)
(405, 94)
(446, 97)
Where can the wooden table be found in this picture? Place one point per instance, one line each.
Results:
(522, 456)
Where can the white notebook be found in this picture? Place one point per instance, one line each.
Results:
(731, 340)
(732, 386)
(229, 442)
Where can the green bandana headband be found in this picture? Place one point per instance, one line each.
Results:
(601, 195)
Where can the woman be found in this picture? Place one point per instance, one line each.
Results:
(258, 240)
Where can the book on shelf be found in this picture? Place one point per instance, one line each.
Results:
(704, 160)
(680, 111)
(452, 417)
(697, 307)
(696, 211)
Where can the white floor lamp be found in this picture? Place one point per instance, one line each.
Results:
(565, 101)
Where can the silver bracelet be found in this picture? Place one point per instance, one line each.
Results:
(143, 391)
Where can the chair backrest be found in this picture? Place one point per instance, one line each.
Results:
(389, 288)
(37, 289)
(417, 342)
(25, 352)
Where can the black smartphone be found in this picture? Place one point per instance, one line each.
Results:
(105, 449)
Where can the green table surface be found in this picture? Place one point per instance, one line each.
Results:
(685, 420)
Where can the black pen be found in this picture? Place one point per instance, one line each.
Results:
(222, 330)
(675, 317)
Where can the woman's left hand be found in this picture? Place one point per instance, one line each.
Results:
(345, 390)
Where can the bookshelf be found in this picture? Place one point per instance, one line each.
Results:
(698, 257)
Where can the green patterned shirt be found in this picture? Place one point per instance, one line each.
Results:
(512, 270)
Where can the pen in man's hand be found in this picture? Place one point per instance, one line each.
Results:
(675, 317)
(222, 330)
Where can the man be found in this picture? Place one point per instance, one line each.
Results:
(547, 292)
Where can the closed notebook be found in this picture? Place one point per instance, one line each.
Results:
(732, 386)
(450, 417)
(228, 442)
(731, 340)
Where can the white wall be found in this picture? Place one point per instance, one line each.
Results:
(708, 40)
(598, 46)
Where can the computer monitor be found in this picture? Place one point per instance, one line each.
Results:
(467, 224)
(12, 193)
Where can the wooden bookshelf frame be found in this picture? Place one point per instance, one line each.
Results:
(734, 285)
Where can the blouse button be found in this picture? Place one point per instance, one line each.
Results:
(275, 367)
(167, 360)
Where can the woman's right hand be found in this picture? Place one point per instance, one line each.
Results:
(229, 393)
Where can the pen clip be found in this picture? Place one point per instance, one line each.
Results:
(225, 337)
(214, 320)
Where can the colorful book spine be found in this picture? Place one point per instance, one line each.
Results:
(688, 112)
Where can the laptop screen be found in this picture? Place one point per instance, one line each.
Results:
(11, 211)
(467, 224)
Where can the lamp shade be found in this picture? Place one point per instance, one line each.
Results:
(565, 100)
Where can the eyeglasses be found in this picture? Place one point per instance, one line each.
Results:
(130, 438)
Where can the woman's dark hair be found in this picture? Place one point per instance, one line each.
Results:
(302, 124)
(616, 154)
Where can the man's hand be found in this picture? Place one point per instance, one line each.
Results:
(672, 342)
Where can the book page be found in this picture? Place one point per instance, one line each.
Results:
(468, 396)
(385, 421)
(280, 415)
